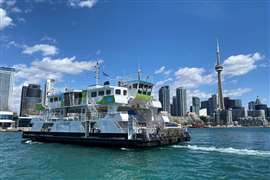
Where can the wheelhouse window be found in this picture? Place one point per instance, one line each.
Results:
(135, 86)
(93, 94)
(101, 93)
(108, 92)
(125, 92)
(51, 100)
(118, 91)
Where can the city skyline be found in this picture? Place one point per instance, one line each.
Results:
(138, 33)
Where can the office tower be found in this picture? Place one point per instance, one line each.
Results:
(6, 87)
(212, 104)
(232, 103)
(238, 112)
(31, 96)
(196, 105)
(174, 105)
(268, 112)
(259, 105)
(164, 98)
(219, 69)
(251, 105)
(181, 101)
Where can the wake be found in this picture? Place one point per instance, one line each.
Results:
(31, 142)
(229, 150)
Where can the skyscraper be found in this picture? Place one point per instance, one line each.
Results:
(31, 96)
(174, 105)
(164, 98)
(232, 103)
(196, 105)
(212, 104)
(6, 87)
(251, 105)
(181, 101)
(219, 69)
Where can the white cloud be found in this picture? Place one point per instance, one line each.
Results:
(236, 92)
(51, 68)
(163, 70)
(16, 10)
(196, 93)
(241, 64)
(163, 82)
(83, 3)
(45, 49)
(192, 77)
(1, 2)
(5, 21)
(41, 70)
(160, 70)
(11, 2)
(87, 3)
(48, 39)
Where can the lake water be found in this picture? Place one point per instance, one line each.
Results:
(211, 154)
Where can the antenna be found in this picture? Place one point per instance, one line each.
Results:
(218, 53)
(139, 72)
(97, 72)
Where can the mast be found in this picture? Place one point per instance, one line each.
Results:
(97, 72)
(139, 73)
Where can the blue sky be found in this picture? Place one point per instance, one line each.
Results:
(174, 42)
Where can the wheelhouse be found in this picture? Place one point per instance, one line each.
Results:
(108, 95)
(140, 87)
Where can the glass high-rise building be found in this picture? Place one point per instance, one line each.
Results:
(31, 96)
(196, 103)
(164, 98)
(212, 104)
(173, 108)
(6, 87)
(181, 101)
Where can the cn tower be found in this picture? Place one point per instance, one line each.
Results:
(219, 69)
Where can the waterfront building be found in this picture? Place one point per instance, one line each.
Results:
(212, 104)
(181, 101)
(252, 121)
(268, 112)
(238, 113)
(30, 97)
(259, 105)
(174, 105)
(229, 117)
(203, 112)
(251, 105)
(196, 103)
(204, 105)
(48, 90)
(164, 98)
(256, 113)
(6, 120)
(232, 103)
(6, 87)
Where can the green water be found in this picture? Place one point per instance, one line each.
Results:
(211, 154)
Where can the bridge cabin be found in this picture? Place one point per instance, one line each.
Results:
(106, 95)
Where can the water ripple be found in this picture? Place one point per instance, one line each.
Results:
(229, 150)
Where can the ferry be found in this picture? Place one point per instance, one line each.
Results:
(122, 115)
